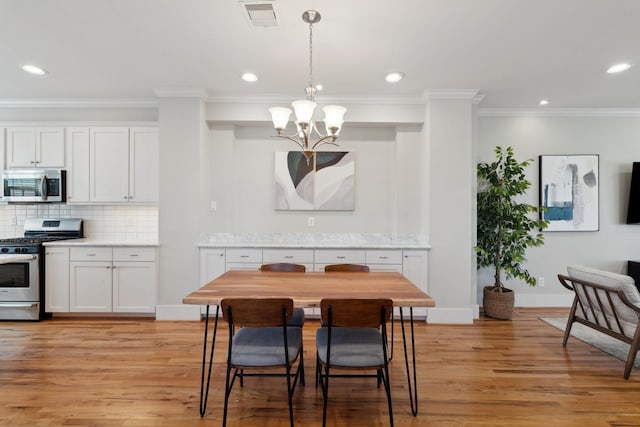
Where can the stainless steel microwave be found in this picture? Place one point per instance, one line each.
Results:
(34, 186)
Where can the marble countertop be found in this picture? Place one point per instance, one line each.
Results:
(101, 242)
(321, 240)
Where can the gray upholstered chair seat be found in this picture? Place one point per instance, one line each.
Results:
(264, 346)
(351, 347)
(297, 317)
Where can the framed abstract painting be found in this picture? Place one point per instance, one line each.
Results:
(324, 183)
(569, 192)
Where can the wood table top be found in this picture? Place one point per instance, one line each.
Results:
(307, 289)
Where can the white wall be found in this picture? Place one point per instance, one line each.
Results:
(617, 141)
(388, 178)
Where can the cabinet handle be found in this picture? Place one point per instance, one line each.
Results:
(126, 197)
(244, 256)
(289, 256)
(33, 162)
(91, 254)
(341, 257)
(384, 257)
(133, 254)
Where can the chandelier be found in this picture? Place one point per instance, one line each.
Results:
(304, 109)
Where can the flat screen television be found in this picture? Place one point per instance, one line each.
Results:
(633, 211)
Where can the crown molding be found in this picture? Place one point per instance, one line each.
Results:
(473, 95)
(559, 112)
(345, 99)
(79, 103)
(180, 92)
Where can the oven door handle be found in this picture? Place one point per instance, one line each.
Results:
(8, 259)
(18, 305)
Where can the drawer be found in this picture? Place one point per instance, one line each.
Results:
(295, 256)
(134, 254)
(384, 256)
(339, 256)
(242, 266)
(90, 253)
(244, 255)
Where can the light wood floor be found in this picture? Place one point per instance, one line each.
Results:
(139, 372)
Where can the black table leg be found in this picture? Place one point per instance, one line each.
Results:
(204, 393)
(413, 391)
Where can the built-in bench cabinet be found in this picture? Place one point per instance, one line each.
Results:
(121, 279)
(412, 263)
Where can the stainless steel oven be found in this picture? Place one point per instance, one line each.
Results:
(22, 266)
(20, 286)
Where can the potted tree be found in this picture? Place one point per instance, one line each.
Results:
(505, 228)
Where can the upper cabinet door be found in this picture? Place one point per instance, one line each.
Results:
(144, 165)
(35, 147)
(77, 141)
(109, 164)
(50, 147)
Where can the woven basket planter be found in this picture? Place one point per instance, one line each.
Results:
(498, 305)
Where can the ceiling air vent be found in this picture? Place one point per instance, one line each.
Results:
(261, 14)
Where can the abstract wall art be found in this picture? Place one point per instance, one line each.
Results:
(569, 191)
(324, 183)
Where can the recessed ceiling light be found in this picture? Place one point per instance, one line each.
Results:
(394, 77)
(618, 68)
(319, 87)
(33, 69)
(249, 77)
(543, 102)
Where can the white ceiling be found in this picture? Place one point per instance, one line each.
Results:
(514, 51)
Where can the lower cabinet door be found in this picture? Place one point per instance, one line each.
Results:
(90, 286)
(134, 287)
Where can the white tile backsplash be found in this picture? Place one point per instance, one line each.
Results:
(100, 222)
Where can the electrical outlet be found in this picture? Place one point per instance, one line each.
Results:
(213, 205)
(311, 221)
(541, 281)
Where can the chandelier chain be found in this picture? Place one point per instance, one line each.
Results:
(310, 55)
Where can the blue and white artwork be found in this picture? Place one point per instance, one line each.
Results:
(569, 192)
(326, 182)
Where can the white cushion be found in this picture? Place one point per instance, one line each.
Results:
(627, 316)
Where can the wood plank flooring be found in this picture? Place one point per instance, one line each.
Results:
(141, 372)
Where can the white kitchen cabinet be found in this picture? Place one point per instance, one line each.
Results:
(144, 165)
(384, 259)
(77, 142)
(112, 165)
(415, 268)
(109, 164)
(291, 256)
(35, 147)
(2, 156)
(56, 279)
(324, 257)
(212, 264)
(243, 259)
(120, 279)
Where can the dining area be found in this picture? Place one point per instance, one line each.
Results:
(366, 323)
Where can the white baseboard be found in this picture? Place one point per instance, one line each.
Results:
(461, 316)
(178, 312)
(543, 300)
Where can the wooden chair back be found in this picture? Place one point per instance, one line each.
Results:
(356, 313)
(347, 267)
(257, 312)
(283, 266)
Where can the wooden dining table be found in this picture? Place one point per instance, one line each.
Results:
(307, 289)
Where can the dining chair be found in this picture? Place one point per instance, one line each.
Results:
(298, 313)
(347, 267)
(355, 338)
(259, 338)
